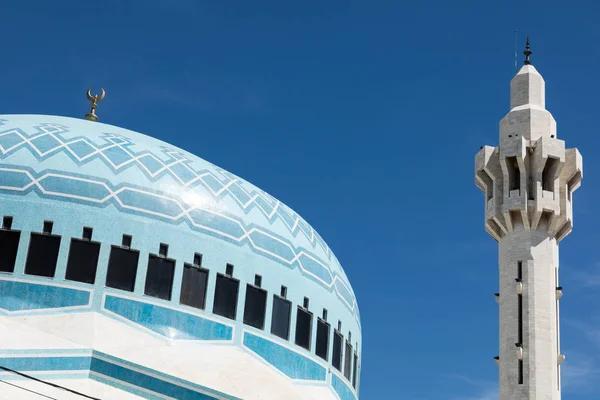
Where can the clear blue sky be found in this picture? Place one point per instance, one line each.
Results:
(365, 118)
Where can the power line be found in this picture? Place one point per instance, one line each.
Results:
(28, 390)
(54, 385)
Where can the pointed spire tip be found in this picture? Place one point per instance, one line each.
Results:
(527, 52)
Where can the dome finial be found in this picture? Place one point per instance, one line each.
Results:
(527, 52)
(91, 116)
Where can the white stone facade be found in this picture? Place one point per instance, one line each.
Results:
(528, 181)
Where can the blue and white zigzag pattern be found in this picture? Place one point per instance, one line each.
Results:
(91, 190)
(116, 153)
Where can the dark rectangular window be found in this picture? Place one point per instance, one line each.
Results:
(280, 319)
(83, 261)
(126, 241)
(122, 268)
(256, 306)
(7, 223)
(229, 270)
(257, 280)
(9, 246)
(163, 250)
(193, 286)
(87, 233)
(303, 328)
(283, 291)
(514, 174)
(42, 254)
(322, 347)
(48, 225)
(348, 361)
(354, 369)
(159, 278)
(336, 356)
(226, 296)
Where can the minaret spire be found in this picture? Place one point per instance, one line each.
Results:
(527, 52)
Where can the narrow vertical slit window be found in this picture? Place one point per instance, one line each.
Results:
(281, 316)
(348, 359)
(122, 266)
(42, 255)
(520, 302)
(355, 369)
(322, 346)
(255, 306)
(82, 262)
(514, 174)
(557, 330)
(303, 328)
(194, 284)
(159, 277)
(226, 294)
(521, 372)
(336, 356)
(520, 318)
(9, 245)
(529, 167)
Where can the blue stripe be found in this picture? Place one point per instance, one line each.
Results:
(292, 364)
(341, 388)
(21, 296)
(167, 322)
(46, 363)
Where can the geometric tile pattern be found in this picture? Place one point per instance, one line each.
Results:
(99, 192)
(115, 152)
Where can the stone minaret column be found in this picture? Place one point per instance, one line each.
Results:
(528, 181)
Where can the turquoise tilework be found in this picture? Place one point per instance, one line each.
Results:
(60, 363)
(46, 137)
(168, 322)
(25, 296)
(120, 373)
(291, 363)
(341, 388)
(89, 190)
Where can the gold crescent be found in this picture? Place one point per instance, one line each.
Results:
(95, 97)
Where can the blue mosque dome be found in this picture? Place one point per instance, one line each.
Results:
(135, 269)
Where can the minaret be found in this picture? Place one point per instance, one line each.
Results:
(528, 181)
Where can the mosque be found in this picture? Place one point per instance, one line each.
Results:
(528, 181)
(132, 269)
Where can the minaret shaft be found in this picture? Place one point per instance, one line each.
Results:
(528, 316)
(528, 181)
